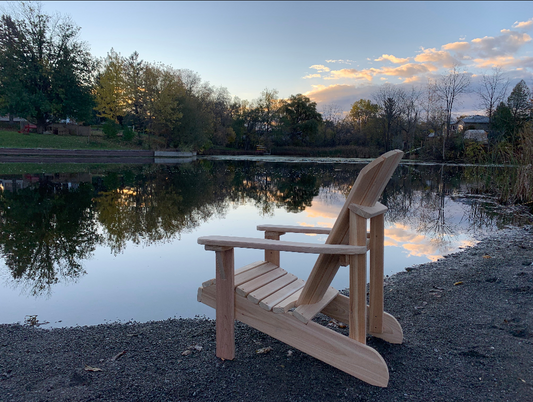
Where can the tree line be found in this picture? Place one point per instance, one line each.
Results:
(47, 75)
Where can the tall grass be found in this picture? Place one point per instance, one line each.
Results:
(511, 186)
(523, 188)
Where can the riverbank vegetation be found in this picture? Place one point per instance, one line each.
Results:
(49, 76)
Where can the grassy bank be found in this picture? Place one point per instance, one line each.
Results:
(13, 139)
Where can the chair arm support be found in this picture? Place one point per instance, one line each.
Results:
(267, 244)
(368, 212)
(294, 229)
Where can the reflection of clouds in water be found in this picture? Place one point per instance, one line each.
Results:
(406, 237)
(417, 245)
(324, 209)
(402, 233)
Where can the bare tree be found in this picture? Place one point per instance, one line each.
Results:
(492, 91)
(390, 99)
(433, 108)
(411, 114)
(332, 113)
(449, 88)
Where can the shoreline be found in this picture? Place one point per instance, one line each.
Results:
(468, 329)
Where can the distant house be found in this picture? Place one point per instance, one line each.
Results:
(477, 135)
(476, 122)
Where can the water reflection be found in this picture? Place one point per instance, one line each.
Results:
(51, 224)
(47, 232)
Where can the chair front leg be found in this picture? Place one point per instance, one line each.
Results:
(225, 303)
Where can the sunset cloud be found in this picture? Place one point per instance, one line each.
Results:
(320, 68)
(343, 95)
(524, 24)
(411, 79)
(409, 70)
(350, 73)
(502, 49)
(392, 58)
(457, 46)
(439, 57)
(508, 62)
(312, 76)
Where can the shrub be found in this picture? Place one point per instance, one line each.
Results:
(110, 129)
(128, 134)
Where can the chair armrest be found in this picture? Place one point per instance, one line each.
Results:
(294, 229)
(267, 244)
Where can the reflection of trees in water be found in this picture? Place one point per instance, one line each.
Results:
(416, 197)
(46, 234)
(291, 186)
(157, 205)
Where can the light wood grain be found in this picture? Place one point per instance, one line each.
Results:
(238, 271)
(339, 309)
(263, 295)
(264, 291)
(253, 273)
(265, 244)
(357, 321)
(269, 302)
(327, 266)
(368, 212)
(225, 298)
(377, 239)
(339, 351)
(272, 255)
(247, 287)
(295, 229)
(306, 312)
(287, 303)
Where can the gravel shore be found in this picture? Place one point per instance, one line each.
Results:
(467, 321)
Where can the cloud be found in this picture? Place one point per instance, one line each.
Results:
(392, 58)
(503, 45)
(350, 73)
(439, 57)
(343, 95)
(320, 68)
(340, 61)
(409, 70)
(502, 49)
(507, 62)
(524, 24)
(457, 46)
(412, 79)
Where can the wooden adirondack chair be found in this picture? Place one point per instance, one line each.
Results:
(268, 298)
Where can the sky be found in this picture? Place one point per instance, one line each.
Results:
(333, 52)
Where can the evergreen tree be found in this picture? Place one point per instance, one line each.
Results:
(46, 71)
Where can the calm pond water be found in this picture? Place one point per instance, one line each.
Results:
(103, 243)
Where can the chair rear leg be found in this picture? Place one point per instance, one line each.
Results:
(377, 240)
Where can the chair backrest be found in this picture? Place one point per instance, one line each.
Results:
(366, 191)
